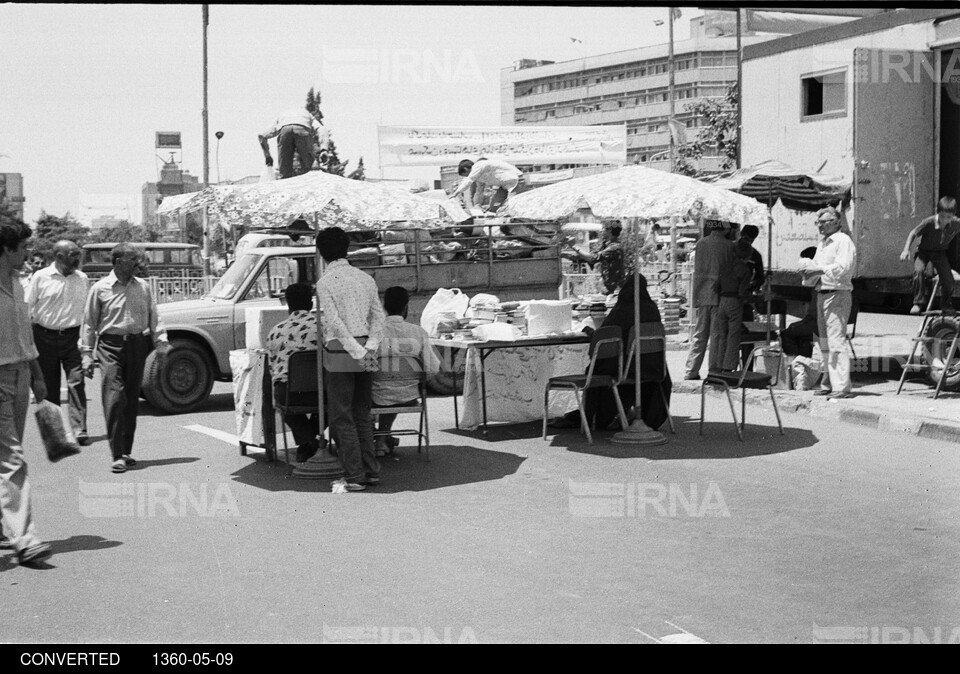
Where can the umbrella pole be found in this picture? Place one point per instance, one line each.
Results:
(323, 464)
(766, 281)
(638, 433)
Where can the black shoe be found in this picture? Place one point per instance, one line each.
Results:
(5, 543)
(692, 377)
(128, 460)
(306, 451)
(370, 480)
(823, 392)
(34, 554)
(83, 440)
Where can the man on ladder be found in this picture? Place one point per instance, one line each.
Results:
(937, 234)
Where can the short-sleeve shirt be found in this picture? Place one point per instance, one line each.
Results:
(297, 332)
(56, 301)
(937, 240)
(16, 334)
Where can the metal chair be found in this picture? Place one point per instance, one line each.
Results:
(743, 380)
(302, 395)
(402, 370)
(649, 345)
(606, 342)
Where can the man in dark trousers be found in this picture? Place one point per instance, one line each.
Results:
(57, 295)
(352, 320)
(714, 253)
(121, 321)
(937, 234)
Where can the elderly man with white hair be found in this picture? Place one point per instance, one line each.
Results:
(830, 272)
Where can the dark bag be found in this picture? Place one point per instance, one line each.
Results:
(58, 443)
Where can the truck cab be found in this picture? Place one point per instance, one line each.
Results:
(517, 264)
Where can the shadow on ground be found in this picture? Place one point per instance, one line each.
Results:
(405, 470)
(78, 543)
(719, 441)
(216, 402)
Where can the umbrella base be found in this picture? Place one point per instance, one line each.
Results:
(639, 434)
(322, 466)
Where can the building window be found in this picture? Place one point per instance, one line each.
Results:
(824, 94)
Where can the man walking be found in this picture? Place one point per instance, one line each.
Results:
(831, 270)
(121, 321)
(19, 370)
(352, 322)
(713, 254)
(56, 295)
(937, 233)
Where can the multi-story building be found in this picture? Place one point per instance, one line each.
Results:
(172, 181)
(627, 87)
(11, 193)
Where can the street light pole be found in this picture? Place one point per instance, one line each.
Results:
(670, 91)
(206, 145)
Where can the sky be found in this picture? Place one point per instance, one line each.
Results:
(84, 88)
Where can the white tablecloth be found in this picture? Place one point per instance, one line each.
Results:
(516, 378)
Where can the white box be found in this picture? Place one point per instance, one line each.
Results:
(260, 321)
(546, 317)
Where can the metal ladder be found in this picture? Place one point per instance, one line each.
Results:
(911, 366)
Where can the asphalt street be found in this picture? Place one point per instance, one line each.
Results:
(831, 532)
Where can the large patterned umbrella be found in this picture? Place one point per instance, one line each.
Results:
(636, 192)
(799, 190)
(331, 199)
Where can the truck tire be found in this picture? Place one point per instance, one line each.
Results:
(942, 331)
(449, 383)
(182, 381)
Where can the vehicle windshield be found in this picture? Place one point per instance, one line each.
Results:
(230, 282)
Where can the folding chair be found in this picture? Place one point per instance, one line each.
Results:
(302, 395)
(606, 342)
(400, 370)
(743, 380)
(650, 345)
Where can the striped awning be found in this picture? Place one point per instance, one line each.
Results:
(771, 181)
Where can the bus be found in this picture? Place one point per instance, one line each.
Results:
(163, 259)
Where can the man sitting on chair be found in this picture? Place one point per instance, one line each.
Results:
(399, 339)
(297, 332)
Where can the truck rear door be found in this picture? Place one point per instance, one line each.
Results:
(894, 154)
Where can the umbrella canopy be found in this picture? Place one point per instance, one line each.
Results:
(335, 200)
(636, 192)
(798, 190)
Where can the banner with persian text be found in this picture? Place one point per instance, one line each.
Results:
(446, 146)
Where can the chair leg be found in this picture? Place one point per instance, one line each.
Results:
(703, 398)
(425, 421)
(776, 411)
(620, 411)
(743, 408)
(286, 449)
(583, 418)
(733, 412)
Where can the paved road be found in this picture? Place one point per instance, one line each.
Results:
(831, 532)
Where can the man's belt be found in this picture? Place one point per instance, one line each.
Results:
(61, 331)
(832, 290)
(120, 339)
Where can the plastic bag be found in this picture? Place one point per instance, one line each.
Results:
(56, 440)
(450, 300)
(806, 372)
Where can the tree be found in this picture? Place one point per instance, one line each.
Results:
(124, 232)
(719, 134)
(327, 159)
(357, 173)
(50, 229)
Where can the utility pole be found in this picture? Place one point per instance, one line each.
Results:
(739, 92)
(206, 146)
(670, 92)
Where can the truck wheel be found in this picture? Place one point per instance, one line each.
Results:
(449, 383)
(942, 331)
(182, 381)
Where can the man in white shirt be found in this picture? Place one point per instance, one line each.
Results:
(352, 324)
(831, 274)
(487, 173)
(57, 295)
(294, 131)
(400, 339)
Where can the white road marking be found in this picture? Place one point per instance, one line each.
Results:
(683, 637)
(214, 433)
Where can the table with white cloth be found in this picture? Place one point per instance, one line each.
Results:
(504, 381)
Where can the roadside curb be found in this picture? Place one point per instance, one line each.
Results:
(871, 417)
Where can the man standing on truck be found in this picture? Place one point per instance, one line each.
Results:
(487, 173)
(294, 131)
(830, 272)
(57, 295)
(937, 233)
(121, 320)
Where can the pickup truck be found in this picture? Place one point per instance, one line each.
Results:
(203, 332)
